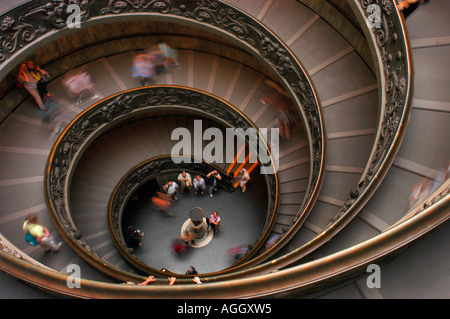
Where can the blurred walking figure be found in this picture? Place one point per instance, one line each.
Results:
(143, 68)
(285, 122)
(26, 80)
(170, 55)
(409, 6)
(179, 245)
(428, 185)
(80, 85)
(418, 190)
(40, 233)
(238, 251)
(158, 60)
(278, 98)
(162, 202)
(271, 241)
(53, 117)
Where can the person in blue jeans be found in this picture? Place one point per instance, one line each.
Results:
(214, 221)
(212, 179)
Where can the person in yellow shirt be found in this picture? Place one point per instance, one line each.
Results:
(39, 76)
(29, 83)
(40, 233)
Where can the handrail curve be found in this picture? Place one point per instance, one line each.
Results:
(390, 47)
(153, 168)
(35, 22)
(112, 111)
(353, 260)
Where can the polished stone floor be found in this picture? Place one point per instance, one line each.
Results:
(242, 215)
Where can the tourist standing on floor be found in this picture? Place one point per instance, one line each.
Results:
(243, 178)
(214, 221)
(213, 177)
(135, 236)
(185, 181)
(171, 189)
(199, 184)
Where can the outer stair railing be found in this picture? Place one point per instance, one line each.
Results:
(391, 50)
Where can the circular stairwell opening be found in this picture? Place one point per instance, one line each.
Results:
(242, 214)
(141, 133)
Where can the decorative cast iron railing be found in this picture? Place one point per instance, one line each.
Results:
(112, 111)
(390, 48)
(391, 53)
(152, 169)
(303, 278)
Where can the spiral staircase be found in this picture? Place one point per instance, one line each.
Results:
(331, 220)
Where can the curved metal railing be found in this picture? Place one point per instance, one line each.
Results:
(110, 112)
(34, 23)
(391, 51)
(324, 271)
(157, 167)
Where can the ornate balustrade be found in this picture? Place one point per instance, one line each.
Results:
(35, 23)
(107, 114)
(390, 48)
(303, 278)
(152, 169)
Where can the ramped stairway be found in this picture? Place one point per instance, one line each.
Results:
(345, 86)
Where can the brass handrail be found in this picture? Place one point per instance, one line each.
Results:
(394, 109)
(112, 111)
(142, 173)
(303, 277)
(41, 21)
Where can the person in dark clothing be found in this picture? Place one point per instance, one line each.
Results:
(212, 180)
(191, 271)
(135, 236)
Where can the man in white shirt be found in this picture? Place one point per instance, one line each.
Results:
(171, 189)
(185, 181)
(243, 178)
(199, 184)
